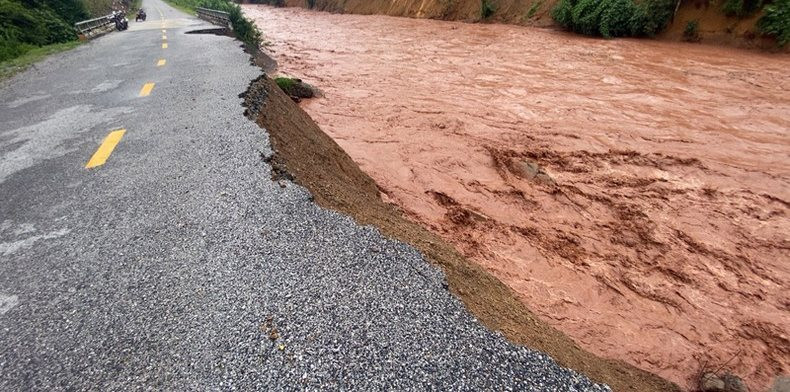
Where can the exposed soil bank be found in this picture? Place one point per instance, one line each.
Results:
(634, 193)
(714, 26)
(315, 161)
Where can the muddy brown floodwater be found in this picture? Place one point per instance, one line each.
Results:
(634, 193)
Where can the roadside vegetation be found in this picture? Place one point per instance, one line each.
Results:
(243, 27)
(33, 29)
(29, 24)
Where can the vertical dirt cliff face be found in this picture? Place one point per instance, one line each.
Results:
(528, 12)
(634, 193)
(714, 26)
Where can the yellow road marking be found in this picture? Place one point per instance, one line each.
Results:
(161, 62)
(164, 31)
(164, 37)
(105, 149)
(164, 45)
(146, 90)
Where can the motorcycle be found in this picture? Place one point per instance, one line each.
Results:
(140, 16)
(121, 23)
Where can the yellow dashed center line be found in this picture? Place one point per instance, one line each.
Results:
(164, 45)
(146, 90)
(164, 37)
(164, 31)
(105, 149)
(161, 62)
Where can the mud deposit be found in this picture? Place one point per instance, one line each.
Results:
(633, 193)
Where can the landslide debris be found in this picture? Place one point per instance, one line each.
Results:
(295, 88)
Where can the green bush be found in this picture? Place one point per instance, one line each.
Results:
(487, 9)
(613, 18)
(27, 24)
(741, 8)
(691, 32)
(775, 21)
(284, 83)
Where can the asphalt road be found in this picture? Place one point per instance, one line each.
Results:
(178, 264)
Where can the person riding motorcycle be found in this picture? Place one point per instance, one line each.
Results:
(140, 16)
(121, 23)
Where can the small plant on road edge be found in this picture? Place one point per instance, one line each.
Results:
(295, 88)
(285, 84)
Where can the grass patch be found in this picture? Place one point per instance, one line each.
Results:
(13, 66)
(295, 88)
(285, 84)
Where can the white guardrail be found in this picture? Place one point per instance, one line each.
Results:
(97, 26)
(214, 16)
(93, 27)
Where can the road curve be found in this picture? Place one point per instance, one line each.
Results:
(144, 246)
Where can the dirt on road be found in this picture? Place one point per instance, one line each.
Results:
(633, 193)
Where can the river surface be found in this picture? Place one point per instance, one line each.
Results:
(634, 193)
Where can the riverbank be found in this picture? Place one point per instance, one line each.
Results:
(578, 171)
(711, 25)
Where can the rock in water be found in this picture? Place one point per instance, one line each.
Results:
(733, 383)
(728, 382)
(781, 384)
